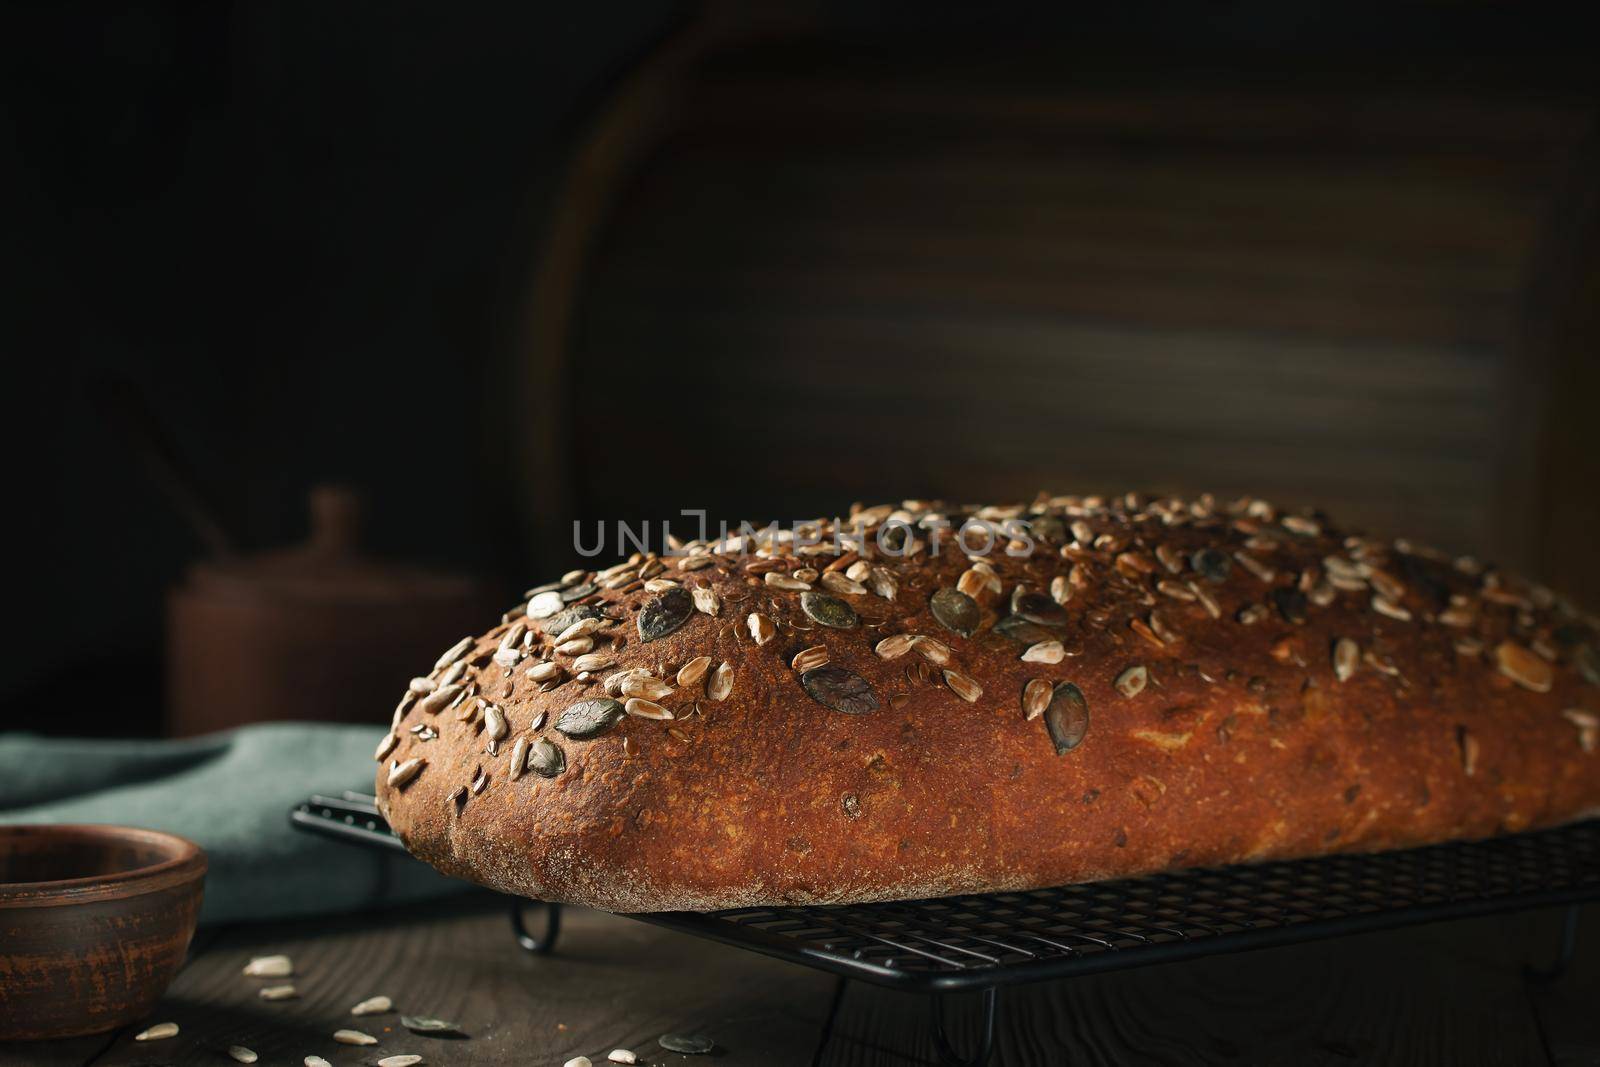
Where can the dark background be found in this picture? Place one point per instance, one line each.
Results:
(504, 266)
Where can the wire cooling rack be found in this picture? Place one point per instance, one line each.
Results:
(982, 942)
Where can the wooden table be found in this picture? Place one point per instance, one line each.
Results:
(1451, 994)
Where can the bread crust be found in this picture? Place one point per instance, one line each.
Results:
(1467, 706)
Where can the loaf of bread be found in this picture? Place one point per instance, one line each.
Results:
(925, 700)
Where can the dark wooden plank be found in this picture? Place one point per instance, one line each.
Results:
(612, 983)
(1451, 994)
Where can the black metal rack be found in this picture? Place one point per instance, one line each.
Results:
(980, 943)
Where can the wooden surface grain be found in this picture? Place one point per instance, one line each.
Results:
(1447, 994)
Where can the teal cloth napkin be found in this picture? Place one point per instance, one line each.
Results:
(231, 793)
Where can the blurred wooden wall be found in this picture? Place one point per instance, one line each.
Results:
(828, 273)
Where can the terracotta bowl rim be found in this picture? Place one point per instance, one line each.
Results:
(181, 861)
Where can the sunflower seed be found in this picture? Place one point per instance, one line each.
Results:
(828, 611)
(962, 686)
(1144, 630)
(1251, 614)
(662, 615)
(646, 709)
(158, 1032)
(269, 967)
(581, 628)
(834, 582)
(373, 1006)
(779, 580)
(705, 601)
(407, 1059)
(1469, 750)
(480, 780)
(1206, 600)
(241, 1054)
(883, 582)
(507, 657)
(543, 672)
(386, 746)
(440, 699)
(691, 673)
(579, 1061)
(1587, 661)
(896, 646)
(1036, 697)
(453, 653)
(839, 689)
(1175, 590)
(590, 718)
(686, 1044)
(932, 650)
(277, 992)
(1346, 657)
(519, 759)
(1170, 558)
(353, 1037)
(659, 585)
(513, 635)
(721, 683)
(594, 661)
(494, 722)
(1060, 589)
(423, 1024)
(1588, 724)
(956, 611)
(1523, 667)
(546, 759)
(1067, 718)
(1044, 652)
(621, 1055)
(644, 685)
(1211, 565)
(1300, 525)
(975, 583)
(1385, 606)
(762, 629)
(316, 1061)
(1131, 682)
(815, 656)
(422, 686)
(1255, 566)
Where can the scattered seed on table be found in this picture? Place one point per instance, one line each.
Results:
(353, 1037)
(406, 1060)
(158, 1032)
(373, 1006)
(277, 992)
(423, 1024)
(622, 1055)
(269, 967)
(242, 1054)
(687, 1044)
(316, 1061)
(579, 1061)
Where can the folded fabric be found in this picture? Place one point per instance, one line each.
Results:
(231, 793)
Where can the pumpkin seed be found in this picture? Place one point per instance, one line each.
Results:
(1067, 718)
(828, 611)
(569, 617)
(1211, 565)
(424, 1024)
(1131, 682)
(686, 1044)
(577, 592)
(839, 689)
(956, 611)
(590, 718)
(662, 615)
(546, 759)
(1023, 632)
(1291, 604)
(1037, 608)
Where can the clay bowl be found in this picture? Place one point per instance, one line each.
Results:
(95, 921)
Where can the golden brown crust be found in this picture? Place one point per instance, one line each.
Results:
(1287, 691)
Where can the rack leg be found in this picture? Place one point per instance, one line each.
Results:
(1568, 949)
(539, 946)
(941, 1041)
